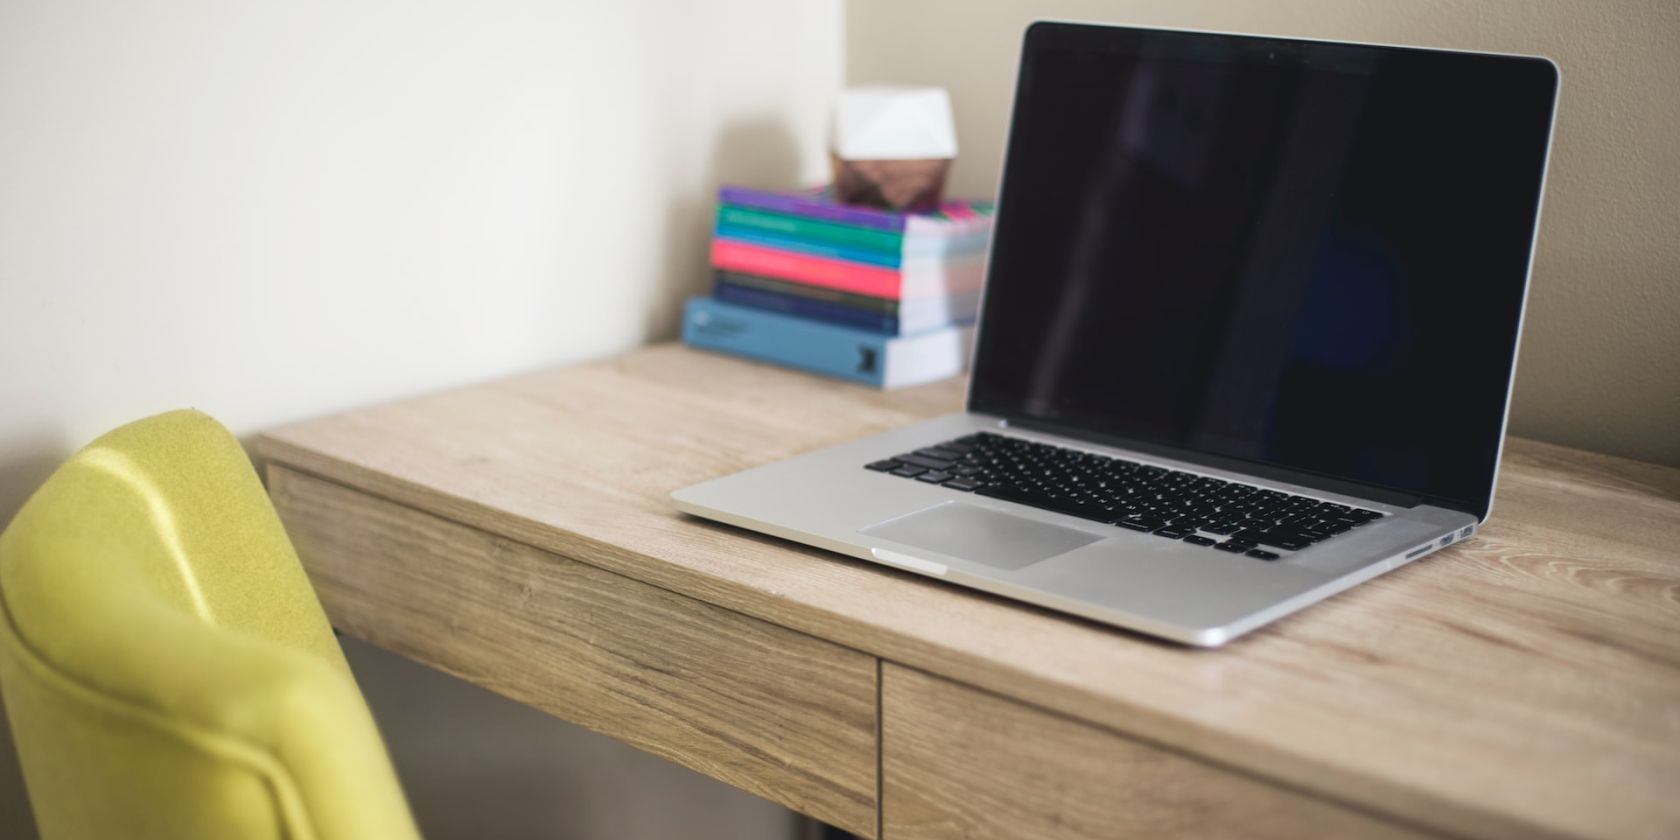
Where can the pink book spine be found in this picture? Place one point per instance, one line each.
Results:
(860, 279)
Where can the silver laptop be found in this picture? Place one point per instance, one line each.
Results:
(1249, 328)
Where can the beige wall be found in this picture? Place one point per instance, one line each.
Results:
(277, 210)
(1600, 361)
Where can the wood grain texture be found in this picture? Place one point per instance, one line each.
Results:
(958, 763)
(771, 711)
(1523, 684)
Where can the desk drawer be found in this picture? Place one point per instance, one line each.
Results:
(961, 763)
(777, 713)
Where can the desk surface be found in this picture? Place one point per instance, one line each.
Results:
(1525, 683)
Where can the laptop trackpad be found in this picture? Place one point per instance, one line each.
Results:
(958, 529)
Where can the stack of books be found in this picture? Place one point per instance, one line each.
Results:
(880, 297)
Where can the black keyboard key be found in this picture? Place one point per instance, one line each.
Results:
(930, 463)
(1195, 539)
(1131, 495)
(1140, 521)
(1084, 510)
(1263, 555)
(1045, 501)
(1288, 542)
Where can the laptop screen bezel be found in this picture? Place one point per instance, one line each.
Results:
(1043, 35)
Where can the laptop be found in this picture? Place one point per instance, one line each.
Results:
(1247, 339)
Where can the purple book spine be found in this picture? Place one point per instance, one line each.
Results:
(811, 208)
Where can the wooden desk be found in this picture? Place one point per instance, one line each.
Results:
(518, 534)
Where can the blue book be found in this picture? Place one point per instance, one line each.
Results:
(858, 355)
(804, 307)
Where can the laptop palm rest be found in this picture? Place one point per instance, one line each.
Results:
(982, 535)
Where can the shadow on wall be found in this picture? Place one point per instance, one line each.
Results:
(16, 818)
(759, 152)
(24, 467)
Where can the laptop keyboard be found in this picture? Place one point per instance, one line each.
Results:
(1198, 509)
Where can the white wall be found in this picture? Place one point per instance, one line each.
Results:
(276, 210)
(1600, 361)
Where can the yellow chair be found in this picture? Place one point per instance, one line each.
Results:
(165, 664)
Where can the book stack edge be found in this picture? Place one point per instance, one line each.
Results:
(874, 296)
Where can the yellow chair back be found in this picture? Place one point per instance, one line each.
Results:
(166, 666)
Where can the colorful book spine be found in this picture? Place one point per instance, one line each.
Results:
(901, 317)
(914, 250)
(811, 206)
(842, 241)
(826, 250)
(766, 223)
(953, 217)
(804, 307)
(860, 356)
(882, 306)
(934, 278)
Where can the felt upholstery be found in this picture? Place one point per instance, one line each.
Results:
(166, 666)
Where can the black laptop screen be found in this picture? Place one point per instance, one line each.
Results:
(1286, 254)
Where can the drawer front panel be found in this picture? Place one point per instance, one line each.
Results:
(774, 712)
(958, 762)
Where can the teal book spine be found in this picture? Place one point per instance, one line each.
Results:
(815, 248)
(766, 223)
(845, 242)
